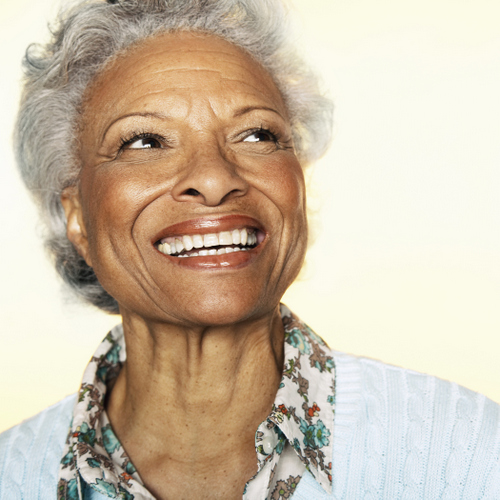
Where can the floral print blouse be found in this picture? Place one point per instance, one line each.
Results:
(295, 437)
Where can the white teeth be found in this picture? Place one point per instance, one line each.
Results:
(236, 237)
(244, 236)
(164, 248)
(210, 240)
(178, 246)
(187, 242)
(197, 241)
(252, 239)
(225, 238)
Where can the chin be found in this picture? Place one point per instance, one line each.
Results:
(226, 310)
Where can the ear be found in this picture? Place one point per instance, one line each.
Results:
(75, 228)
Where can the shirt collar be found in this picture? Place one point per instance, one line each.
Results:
(305, 402)
(303, 411)
(92, 452)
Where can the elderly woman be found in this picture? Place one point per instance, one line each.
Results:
(165, 142)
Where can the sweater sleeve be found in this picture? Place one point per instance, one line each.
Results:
(30, 453)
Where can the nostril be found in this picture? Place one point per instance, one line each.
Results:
(228, 195)
(192, 192)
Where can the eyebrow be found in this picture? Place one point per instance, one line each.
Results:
(248, 109)
(160, 116)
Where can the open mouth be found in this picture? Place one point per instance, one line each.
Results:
(201, 245)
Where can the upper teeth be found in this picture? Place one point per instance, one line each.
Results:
(177, 244)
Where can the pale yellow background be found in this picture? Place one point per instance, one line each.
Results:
(406, 267)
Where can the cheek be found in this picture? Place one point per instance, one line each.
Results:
(112, 203)
(284, 185)
(287, 189)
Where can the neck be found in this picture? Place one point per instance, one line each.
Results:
(193, 396)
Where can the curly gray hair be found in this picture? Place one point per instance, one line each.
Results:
(90, 33)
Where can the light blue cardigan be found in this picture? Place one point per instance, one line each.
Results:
(397, 435)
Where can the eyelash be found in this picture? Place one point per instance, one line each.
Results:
(136, 136)
(275, 137)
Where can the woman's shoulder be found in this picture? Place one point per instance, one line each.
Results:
(404, 398)
(415, 434)
(31, 451)
(361, 376)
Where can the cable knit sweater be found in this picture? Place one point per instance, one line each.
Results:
(397, 435)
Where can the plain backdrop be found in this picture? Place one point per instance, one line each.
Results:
(406, 263)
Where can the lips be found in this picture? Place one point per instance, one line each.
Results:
(211, 241)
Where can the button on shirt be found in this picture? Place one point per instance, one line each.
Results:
(295, 437)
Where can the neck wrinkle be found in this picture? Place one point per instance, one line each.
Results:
(179, 377)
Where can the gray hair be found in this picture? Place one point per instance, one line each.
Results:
(86, 36)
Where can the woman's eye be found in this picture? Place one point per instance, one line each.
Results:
(259, 136)
(144, 143)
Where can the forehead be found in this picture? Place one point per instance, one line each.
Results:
(182, 66)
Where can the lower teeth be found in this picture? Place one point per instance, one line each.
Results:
(213, 251)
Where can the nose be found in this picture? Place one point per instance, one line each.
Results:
(209, 179)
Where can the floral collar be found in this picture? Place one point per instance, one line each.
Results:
(305, 402)
(296, 435)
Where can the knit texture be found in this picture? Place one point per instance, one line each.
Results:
(30, 454)
(397, 434)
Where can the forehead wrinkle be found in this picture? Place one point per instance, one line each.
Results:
(148, 67)
(155, 78)
(196, 71)
(177, 44)
(152, 80)
(179, 98)
(240, 60)
(171, 55)
(275, 94)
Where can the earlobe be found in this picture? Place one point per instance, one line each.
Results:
(75, 228)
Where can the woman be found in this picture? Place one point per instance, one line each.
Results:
(171, 177)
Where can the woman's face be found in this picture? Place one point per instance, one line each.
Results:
(185, 141)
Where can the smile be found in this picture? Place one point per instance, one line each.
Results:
(200, 245)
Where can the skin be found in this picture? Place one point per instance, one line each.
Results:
(204, 345)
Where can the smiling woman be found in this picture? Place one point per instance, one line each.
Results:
(195, 143)
(165, 143)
